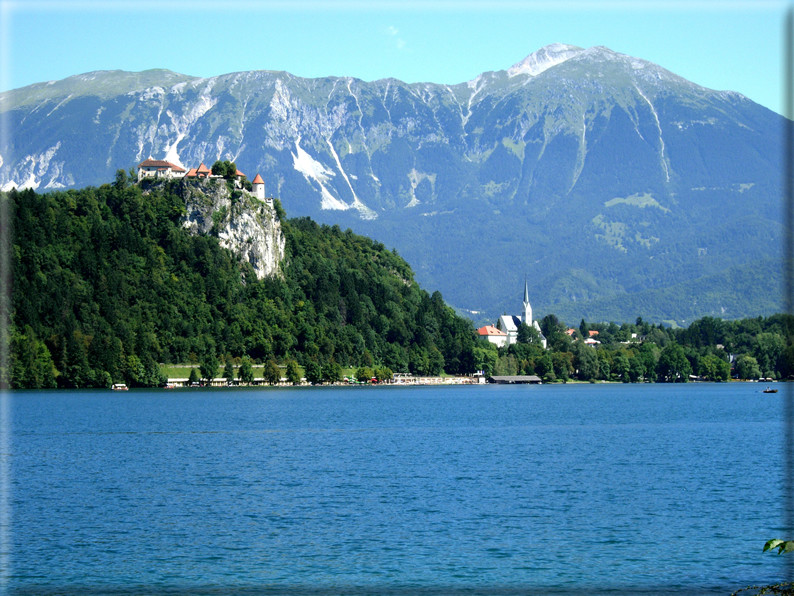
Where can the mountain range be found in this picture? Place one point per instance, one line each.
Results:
(618, 188)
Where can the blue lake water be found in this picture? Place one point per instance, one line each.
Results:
(527, 489)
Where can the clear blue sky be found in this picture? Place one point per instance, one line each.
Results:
(725, 45)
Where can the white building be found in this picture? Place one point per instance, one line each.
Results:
(155, 168)
(493, 335)
(509, 323)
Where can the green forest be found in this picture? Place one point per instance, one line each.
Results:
(108, 286)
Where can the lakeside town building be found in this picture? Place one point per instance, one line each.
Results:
(493, 335)
(506, 331)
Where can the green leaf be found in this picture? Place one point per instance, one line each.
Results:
(774, 543)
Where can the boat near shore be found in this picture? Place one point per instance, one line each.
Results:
(119, 387)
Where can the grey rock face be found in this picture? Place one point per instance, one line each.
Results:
(245, 225)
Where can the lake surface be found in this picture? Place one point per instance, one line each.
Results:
(646, 489)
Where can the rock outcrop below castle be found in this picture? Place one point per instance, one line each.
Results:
(244, 224)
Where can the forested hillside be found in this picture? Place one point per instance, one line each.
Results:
(108, 283)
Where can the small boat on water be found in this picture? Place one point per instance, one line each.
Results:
(768, 390)
(119, 387)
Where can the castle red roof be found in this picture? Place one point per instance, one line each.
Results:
(202, 169)
(239, 174)
(160, 164)
(258, 180)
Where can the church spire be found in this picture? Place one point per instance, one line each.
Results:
(527, 307)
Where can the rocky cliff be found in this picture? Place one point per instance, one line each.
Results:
(243, 224)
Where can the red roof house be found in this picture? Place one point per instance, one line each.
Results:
(493, 335)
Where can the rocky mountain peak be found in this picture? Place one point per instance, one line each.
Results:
(653, 181)
(543, 59)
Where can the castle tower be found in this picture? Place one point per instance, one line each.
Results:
(259, 187)
(527, 318)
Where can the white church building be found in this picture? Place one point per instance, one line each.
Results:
(509, 323)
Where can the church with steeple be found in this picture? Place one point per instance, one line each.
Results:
(509, 323)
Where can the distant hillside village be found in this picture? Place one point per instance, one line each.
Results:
(157, 168)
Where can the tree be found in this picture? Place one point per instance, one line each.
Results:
(545, 368)
(332, 372)
(293, 372)
(155, 376)
(281, 215)
(246, 371)
(384, 374)
(747, 367)
(767, 349)
(621, 367)
(135, 372)
(584, 328)
(194, 376)
(636, 368)
(527, 334)
(673, 366)
(228, 371)
(604, 365)
(787, 362)
(121, 180)
(586, 361)
(314, 372)
(227, 169)
(435, 361)
(209, 367)
(563, 365)
(272, 372)
(31, 363)
(485, 356)
(649, 354)
(550, 326)
(364, 374)
(715, 368)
